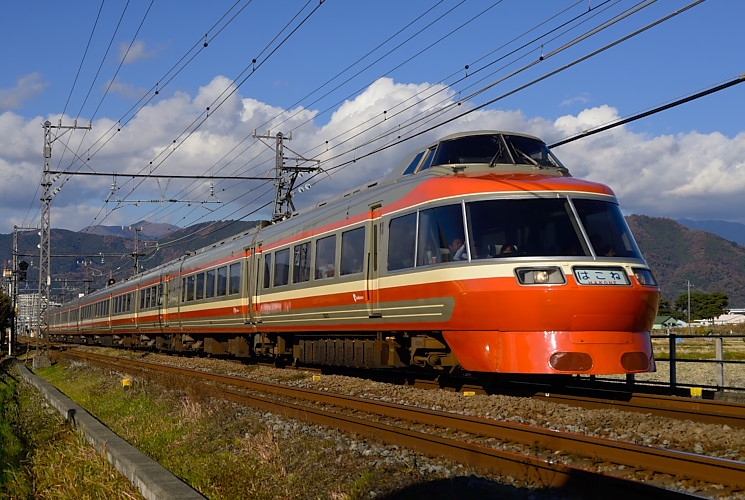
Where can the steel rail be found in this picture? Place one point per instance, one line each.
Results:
(699, 467)
(699, 410)
(680, 408)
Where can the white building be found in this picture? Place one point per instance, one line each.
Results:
(28, 312)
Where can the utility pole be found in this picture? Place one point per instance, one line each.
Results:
(285, 177)
(689, 306)
(45, 233)
(136, 255)
(18, 274)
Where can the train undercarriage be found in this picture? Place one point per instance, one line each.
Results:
(375, 350)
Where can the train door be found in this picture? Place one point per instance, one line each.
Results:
(373, 262)
(181, 294)
(109, 312)
(249, 296)
(162, 295)
(136, 308)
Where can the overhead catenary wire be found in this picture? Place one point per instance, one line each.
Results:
(584, 13)
(357, 158)
(495, 4)
(223, 97)
(563, 48)
(623, 121)
(197, 122)
(67, 101)
(539, 60)
(522, 87)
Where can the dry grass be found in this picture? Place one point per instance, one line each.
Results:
(224, 451)
(49, 459)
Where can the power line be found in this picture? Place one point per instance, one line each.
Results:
(400, 44)
(522, 87)
(653, 111)
(224, 96)
(161, 176)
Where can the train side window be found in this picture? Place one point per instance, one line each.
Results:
(159, 289)
(222, 281)
(148, 298)
(281, 267)
(352, 251)
(441, 235)
(234, 285)
(210, 284)
(301, 263)
(325, 257)
(200, 286)
(401, 241)
(190, 287)
(414, 163)
(267, 270)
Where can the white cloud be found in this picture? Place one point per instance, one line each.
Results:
(126, 90)
(27, 87)
(690, 175)
(137, 52)
(582, 98)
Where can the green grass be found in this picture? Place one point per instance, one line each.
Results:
(43, 458)
(222, 456)
(227, 451)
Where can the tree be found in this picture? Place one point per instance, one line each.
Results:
(713, 305)
(666, 308)
(703, 305)
(6, 311)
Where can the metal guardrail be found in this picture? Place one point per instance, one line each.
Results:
(718, 339)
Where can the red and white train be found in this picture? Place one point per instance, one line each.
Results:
(479, 252)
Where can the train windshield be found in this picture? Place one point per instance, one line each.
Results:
(547, 227)
(495, 148)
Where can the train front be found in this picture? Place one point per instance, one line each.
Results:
(559, 286)
(554, 282)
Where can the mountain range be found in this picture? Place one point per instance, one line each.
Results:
(733, 231)
(147, 230)
(677, 253)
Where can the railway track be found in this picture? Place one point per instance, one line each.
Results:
(459, 436)
(698, 410)
(589, 396)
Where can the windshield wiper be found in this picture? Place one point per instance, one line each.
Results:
(530, 159)
(500, 153)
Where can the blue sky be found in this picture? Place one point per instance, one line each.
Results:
(672, 164)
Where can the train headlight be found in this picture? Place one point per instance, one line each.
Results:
(549, 275)
(644, 277)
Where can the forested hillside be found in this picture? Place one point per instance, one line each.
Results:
(677, 255)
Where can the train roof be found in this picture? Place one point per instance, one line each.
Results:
(471, 153)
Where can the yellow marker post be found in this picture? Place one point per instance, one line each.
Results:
(696, 392)
(316, 378)
(126, 383)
